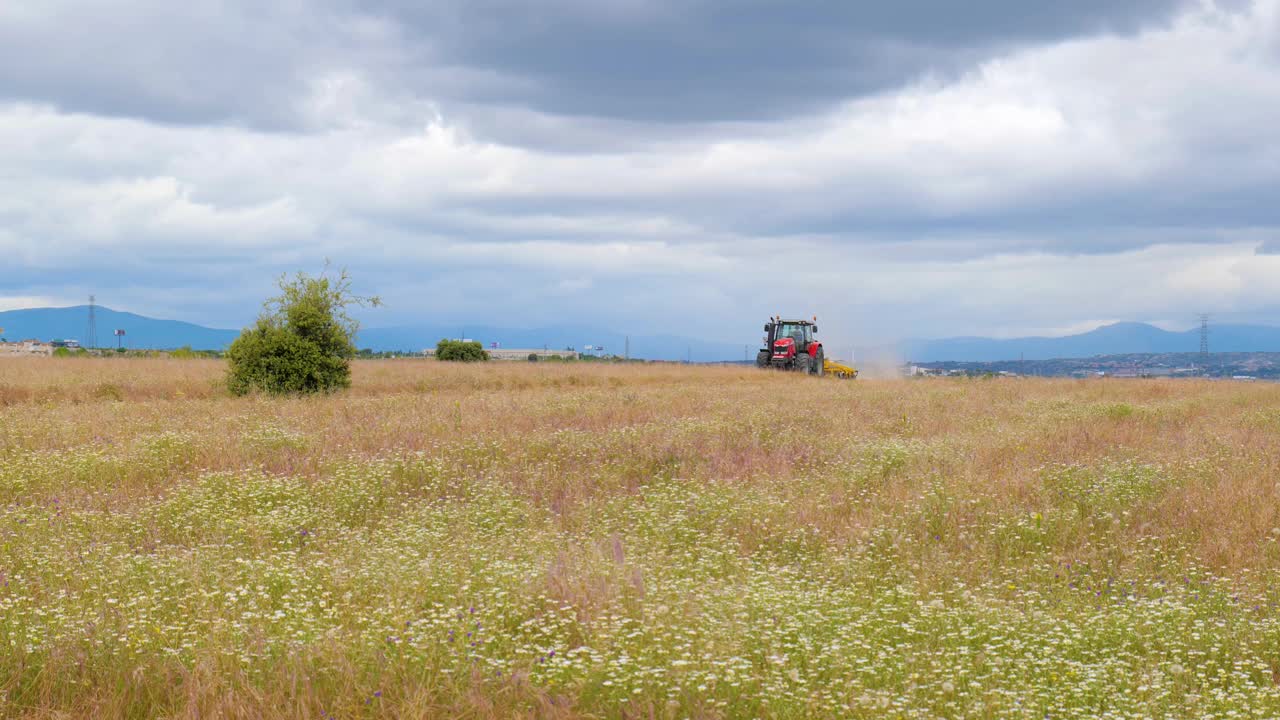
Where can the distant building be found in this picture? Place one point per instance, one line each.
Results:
(515, 354)
(26, 348)
(1138, 372)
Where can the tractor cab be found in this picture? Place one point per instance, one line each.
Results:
(800, 334)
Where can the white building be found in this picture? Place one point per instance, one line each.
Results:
(26, 348)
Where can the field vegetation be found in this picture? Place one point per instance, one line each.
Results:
(568, 540)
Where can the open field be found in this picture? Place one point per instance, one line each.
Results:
(634, 541)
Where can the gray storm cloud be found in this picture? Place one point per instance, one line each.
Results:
(920, 169)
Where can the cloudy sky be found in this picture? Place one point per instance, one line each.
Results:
(918, 168)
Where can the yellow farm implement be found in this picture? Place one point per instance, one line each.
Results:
(839, 369)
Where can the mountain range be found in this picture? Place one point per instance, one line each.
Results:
(1119, 338)
(71, 323)
(142, 332)
(1115, 339)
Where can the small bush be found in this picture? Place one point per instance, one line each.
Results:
(302, 343)
(459, 351)
(533, 357)
(1117, 411)
(276, 360)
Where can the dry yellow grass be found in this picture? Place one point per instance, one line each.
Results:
(170, 550)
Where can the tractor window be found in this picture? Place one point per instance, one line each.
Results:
(797, 332)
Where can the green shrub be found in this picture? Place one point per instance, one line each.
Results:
(1117, 411)
(302, 343)
(459, 351)
(61, 352)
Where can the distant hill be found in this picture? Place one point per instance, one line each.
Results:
(1257, 365)
(1116, 339)
(71, 323)
(150, 333)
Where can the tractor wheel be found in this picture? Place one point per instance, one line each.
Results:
(762, 359)
(818, 365)
(802, 364)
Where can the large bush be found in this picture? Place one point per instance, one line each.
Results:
(302, 342)
(459, 351)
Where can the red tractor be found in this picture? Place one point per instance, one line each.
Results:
(790, 345)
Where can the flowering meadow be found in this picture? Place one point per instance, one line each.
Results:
(639, 541)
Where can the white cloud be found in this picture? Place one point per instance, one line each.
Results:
(1029, 193)
(22, 302)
